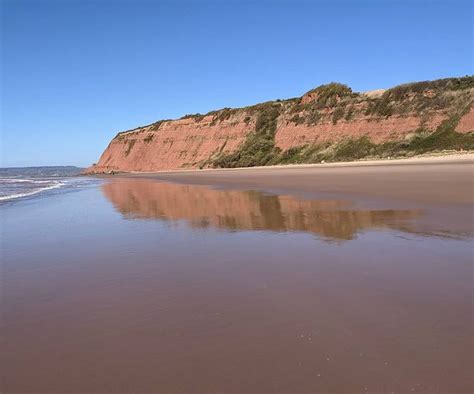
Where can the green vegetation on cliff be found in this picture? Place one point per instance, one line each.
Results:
(443, 138)
(259, 147)
(340, 102)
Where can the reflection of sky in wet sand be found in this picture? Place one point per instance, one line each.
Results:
(234, 210)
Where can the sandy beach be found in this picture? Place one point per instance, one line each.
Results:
(329, 278)
(446, 178)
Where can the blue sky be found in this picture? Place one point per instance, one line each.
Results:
(74, 73)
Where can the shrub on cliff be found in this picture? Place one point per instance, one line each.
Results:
(148, 138)
(221, 115)
(297, 119)
(381, 107)
(259, 147)
(400, 92)
(423, 96)
(327, 95)
(353, 149)
(337, 114)
(445, 137)
(196, 117)
(130, 144)
(313, 117)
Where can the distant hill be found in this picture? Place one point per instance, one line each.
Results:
(328, 123)
(37, 172)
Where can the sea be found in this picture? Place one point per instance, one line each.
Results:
(29, 182)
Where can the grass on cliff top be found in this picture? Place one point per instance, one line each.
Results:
(341, 99)
(421, 96)
(329, 94)
(439, 85)
(417, 98)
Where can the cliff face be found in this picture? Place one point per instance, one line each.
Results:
(328, 123)
(171, 144)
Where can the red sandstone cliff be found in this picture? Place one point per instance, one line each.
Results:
(323, 117)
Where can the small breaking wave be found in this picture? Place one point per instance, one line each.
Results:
(51, 184)
(14, 180)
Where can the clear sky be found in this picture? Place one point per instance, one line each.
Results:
(74, 73)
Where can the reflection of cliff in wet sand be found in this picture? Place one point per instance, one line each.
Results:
(201, 206)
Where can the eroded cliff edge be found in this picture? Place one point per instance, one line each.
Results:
(329, 123)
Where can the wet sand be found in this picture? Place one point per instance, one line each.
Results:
(257, 281)
(442, 179)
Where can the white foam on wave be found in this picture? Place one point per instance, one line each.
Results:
(13, 180)
(55, 185)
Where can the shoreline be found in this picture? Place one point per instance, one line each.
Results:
(451, 158)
